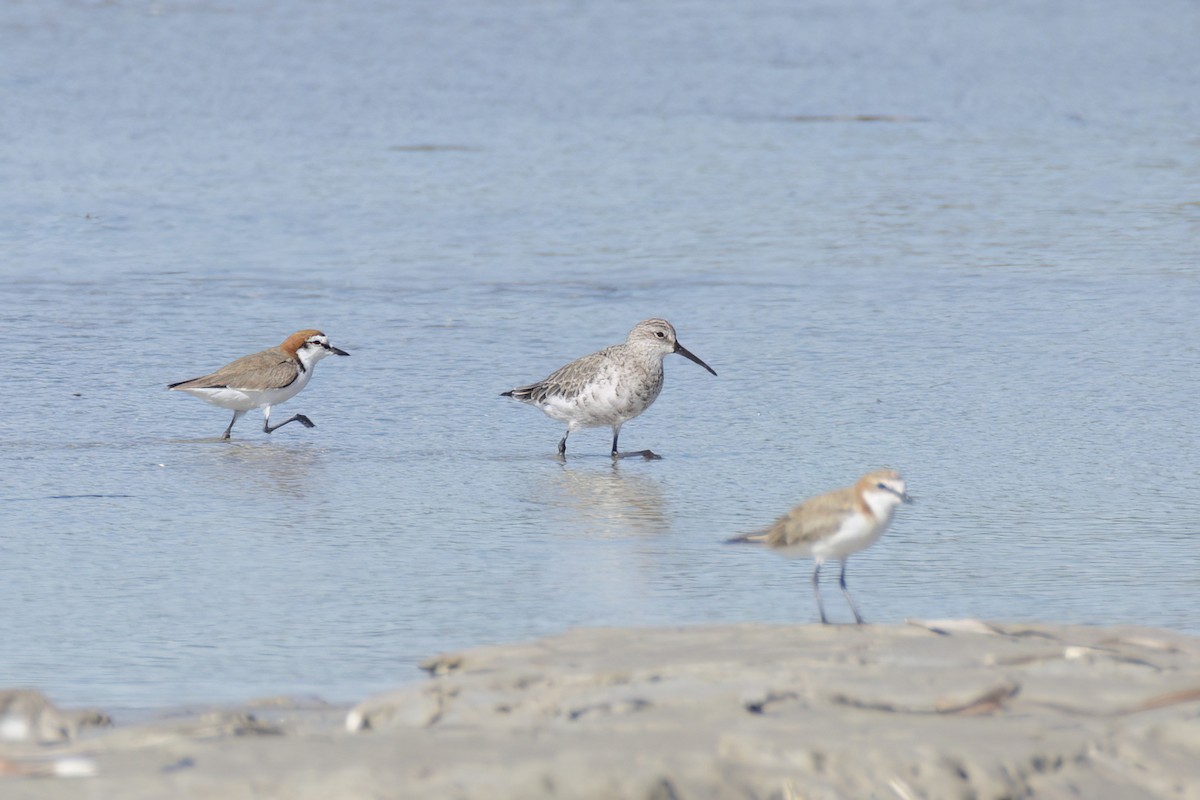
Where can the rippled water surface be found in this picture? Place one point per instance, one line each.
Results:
(958, 239)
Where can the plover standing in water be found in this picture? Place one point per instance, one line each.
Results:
(610, 387)
(264, 379)
(835, 525)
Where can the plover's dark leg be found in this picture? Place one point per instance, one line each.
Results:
(842, 583)
(817, 592)
(297, 417)
(562, 445)
(236, 416)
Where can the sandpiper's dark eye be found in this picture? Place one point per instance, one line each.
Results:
(659, 334)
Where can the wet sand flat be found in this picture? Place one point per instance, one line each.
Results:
(953, 708)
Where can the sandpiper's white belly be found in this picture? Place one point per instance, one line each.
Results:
(605, 402)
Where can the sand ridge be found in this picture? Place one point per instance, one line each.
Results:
(953, 708)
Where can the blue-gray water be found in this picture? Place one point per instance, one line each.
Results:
(993, 289)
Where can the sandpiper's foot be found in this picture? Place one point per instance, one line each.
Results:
(649, 455)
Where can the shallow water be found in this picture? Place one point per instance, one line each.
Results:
(993, 290)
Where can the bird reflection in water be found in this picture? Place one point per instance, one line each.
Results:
(608, 501)
(265, 467)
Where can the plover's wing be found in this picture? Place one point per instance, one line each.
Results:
(566, 381)
(813, 520)
(270, 369)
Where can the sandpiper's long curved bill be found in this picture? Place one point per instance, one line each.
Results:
(683, 351)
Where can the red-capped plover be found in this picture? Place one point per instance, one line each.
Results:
(610, 387)
(835, 525)
(264, 379)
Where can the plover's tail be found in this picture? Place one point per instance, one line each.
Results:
(203, 382)
(748, 538)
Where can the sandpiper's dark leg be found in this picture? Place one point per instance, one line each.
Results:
(817, 592)
(842, 582)
(303, 420)
(562, 445)
(649, 455)
(236, 415)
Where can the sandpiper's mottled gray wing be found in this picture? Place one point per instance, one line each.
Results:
(813, 520)
(270, 369)
(567, 381)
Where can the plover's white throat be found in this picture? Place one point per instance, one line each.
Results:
(264, 379)
(608, 388)
(835, 525)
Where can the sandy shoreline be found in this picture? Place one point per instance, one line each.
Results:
(757, 711)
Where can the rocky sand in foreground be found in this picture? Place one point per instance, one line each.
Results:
(932, 709)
